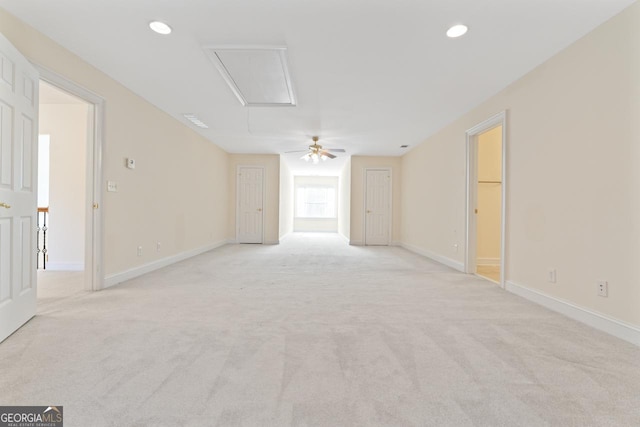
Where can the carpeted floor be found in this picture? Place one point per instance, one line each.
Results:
(314, 332)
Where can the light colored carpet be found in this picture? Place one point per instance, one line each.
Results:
(58, 286)
(316, 333)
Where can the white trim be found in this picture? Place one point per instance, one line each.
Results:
(471, 135)
(114, 279)
(488, 261)
(94, 227)
(389, 169)
(456, 265)
(61, 266)
(356, 243)
(596, 320)
(264, 199)
(271, 242)
(345, 238)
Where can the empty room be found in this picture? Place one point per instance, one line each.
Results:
(336, 213)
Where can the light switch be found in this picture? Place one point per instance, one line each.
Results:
(131, 163)
(112, 186)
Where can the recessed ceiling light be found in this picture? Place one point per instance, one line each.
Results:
(457, 31)
(160, 27)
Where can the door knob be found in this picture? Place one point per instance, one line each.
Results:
(4, 205)
(476, 211)
(259, 209)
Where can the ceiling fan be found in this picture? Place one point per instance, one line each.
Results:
(317, 153)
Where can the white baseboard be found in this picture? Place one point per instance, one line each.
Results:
(346, 239)
(596, 320)
(361, 243)
(488, 261)
(265, 242)
(64, 266)
(114, 279)
(456, 265)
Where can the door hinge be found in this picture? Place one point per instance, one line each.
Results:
(96, 206)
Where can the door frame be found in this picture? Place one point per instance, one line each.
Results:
(389, 170)
(499, 119)
(264, 199)
(94, 230)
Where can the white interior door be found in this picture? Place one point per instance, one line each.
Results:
(250, 206)
(377, 206)
(18, 166)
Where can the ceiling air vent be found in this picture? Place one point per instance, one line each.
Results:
(258, 76)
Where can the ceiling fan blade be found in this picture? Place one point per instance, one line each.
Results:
(328, 154)
(297, 151)
(336, 150)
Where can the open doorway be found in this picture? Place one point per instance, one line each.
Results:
(485, 199)
(64, 133)
(79, 262)
(489, 204)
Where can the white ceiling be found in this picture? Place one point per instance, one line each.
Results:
(369, 75)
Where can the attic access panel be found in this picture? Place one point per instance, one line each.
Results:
(258, 76)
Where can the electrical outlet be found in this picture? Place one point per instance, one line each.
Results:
(158, 247)
(552, 275)
(603, 288)
(112, 186)
(139, 250)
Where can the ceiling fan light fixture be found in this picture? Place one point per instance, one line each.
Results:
(317, 152)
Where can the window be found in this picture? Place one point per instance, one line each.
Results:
(315, 201)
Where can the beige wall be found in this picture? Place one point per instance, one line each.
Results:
(344, 201)
(178, 192)
(358, 166)
(489, 196)
(316, 224)
(67, 126)
(286, 199)
(573, 170)
(271, 163)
